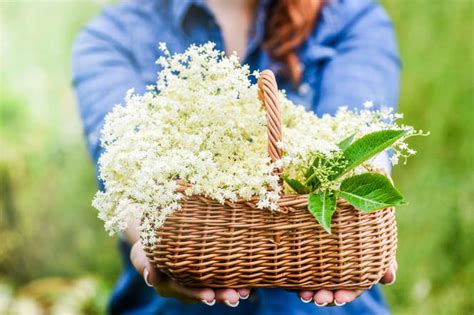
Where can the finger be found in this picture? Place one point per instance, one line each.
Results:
(205, 295)
(230, 297)
(342, 297)
(243, 293)
(323, 297)
(141, 263)
(306, 296)
(390, 275)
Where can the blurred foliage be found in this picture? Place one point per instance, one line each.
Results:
(436, 243)
(47, 225)
(48, 228)
(55, 296)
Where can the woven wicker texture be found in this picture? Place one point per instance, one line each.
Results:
(237, 245)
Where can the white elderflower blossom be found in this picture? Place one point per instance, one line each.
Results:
(202, 124)
(368, 104)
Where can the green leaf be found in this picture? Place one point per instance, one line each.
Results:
(296, 185)
(312, 182)
(346, 142)
(310, 170)
(370, 145)
(322, 206)
(370, 192)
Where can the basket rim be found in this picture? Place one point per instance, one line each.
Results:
(286, 201)
(291, 198)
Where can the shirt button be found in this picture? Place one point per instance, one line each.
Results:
(302, 66)
(93, 137)
(304, 89)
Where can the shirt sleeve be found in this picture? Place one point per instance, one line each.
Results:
(103, 71)
(366, 64)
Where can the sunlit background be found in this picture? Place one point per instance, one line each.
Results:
(54, 254)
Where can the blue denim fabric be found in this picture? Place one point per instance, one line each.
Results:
(350, 57)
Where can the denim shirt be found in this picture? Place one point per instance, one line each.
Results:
(351, 56)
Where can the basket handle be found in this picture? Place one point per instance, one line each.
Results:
(268, 95)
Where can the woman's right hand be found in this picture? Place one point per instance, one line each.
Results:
(166, 287)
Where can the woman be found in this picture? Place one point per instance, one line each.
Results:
(326, 54)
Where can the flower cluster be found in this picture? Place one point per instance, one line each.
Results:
(325, 168)
(301, 142)
(202, 125)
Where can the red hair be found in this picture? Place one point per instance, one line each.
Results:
(289, 24)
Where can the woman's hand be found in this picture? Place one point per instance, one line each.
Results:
(341, 297)
(169, 288)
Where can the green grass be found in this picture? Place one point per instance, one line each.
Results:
(46, 174)
(48, 228)
(436, 274)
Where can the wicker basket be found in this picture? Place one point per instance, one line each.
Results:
(237, 245)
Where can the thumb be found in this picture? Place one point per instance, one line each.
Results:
(141, 263)
(391, 274)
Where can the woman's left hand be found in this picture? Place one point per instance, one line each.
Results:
(167, 287)
(341, 297)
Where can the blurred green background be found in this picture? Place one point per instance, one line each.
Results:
(52, 246)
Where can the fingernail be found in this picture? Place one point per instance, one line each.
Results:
(394, 276)
(339, 304)
(145, 277)
(320, 305)
(243, 297)
(305, 300)
(230, 304)
(209, 303)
